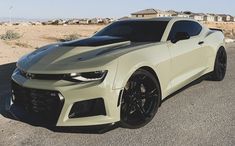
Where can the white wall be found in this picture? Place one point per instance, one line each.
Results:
(182, 15)
(210, 18)
(219, 19)
(199, 18)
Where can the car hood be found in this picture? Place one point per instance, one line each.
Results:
(87, 53)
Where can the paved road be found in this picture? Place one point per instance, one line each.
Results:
(203, 114)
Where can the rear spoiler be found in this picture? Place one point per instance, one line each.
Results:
(216, 29)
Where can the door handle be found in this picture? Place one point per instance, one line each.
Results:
(201, 42)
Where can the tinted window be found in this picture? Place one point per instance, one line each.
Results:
(192, 28)
(136, 31)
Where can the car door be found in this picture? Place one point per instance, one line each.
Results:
(188, 59)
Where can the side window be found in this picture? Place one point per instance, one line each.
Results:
(195, 28)
(191, 27)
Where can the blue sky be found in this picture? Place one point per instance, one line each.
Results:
(105, 8)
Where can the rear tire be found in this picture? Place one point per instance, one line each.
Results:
(220, 66)
(140, 100)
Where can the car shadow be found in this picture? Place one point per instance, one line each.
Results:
(5, 88)
(101, 129)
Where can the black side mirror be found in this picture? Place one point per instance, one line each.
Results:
(180, 36)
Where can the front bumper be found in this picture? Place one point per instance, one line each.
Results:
(69, 93)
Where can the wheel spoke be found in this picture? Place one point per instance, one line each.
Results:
(127, 110)
(141, 110)
(153, 93)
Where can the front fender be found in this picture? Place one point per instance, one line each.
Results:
(125, 71)
(157, 57)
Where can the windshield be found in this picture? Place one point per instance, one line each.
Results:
(136, 31)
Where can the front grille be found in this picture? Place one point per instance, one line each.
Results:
(43, 76)
(42, 105)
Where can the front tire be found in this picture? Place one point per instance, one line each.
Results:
(140, 100)
(220, 65)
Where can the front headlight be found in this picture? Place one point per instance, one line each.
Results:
(88, 76)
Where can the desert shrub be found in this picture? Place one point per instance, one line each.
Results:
(71, 37)
(10, 35)
(24, 45)
(52, 38)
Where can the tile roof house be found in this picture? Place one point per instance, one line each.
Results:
(150, 13)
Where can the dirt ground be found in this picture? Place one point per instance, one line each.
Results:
(227, 27)
(36, 36)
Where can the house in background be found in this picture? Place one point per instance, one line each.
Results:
(84, 21)
(96, 21)
(107, 20)
(164, 14)
(218, 18)
(150, 13)
(209, 18)
(173, 13)
(232, 19)
(225, 17)
(184, 15)
(198, 16)
(188, 12)
(72, 21)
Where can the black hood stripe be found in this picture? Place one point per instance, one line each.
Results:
(95, 41)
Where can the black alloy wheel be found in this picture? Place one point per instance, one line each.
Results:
(220, 65)
(140, 100)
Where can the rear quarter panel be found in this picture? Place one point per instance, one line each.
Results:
(213, 41)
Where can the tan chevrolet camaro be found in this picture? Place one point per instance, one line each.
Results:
(119, 75)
